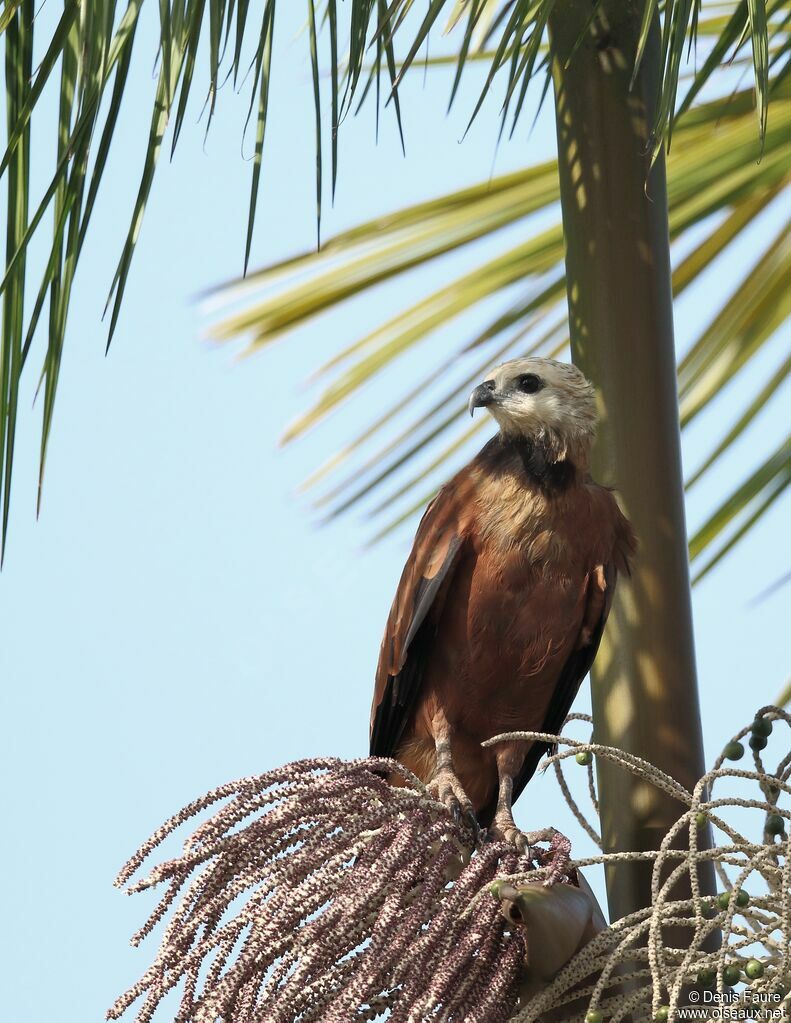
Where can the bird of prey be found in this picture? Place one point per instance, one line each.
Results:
(502, 602)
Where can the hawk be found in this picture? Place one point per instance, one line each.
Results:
(502, 602)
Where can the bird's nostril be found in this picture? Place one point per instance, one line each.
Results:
(489, 384)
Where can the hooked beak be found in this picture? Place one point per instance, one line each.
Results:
(482, 396)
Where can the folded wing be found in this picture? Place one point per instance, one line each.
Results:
(414, 616)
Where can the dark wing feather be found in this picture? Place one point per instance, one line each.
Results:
(413, 618)
(571, 678)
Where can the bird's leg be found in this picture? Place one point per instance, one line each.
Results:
(445, 785)
(510, 757)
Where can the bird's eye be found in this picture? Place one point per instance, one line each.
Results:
(529, 383)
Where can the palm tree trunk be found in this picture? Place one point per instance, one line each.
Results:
(645, 696)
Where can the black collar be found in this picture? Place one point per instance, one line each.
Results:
(541, 470)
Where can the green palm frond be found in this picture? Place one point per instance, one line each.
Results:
(717, 188)
(368, 45)
(743, 507)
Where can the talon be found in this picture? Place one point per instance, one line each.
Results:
(446, 788)
(556, 857)
(506, 831)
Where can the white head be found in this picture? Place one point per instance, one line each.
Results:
(547, 401)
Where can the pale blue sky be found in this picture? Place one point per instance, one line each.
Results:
(175, 618)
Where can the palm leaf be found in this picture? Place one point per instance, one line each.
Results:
(715, 183)
(743, 507)
(507, 35)
(18, 69)
(8, 13)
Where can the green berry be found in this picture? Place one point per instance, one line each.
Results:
(742, 899)
(731, 975)
(762, 727)
(661, 1014)
(594, 1016)
(754, 969)
(701, 820)
(733, 751)
(706, 978)
(584, 758)
(758, 742)
(708, 909)
(775, 825)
